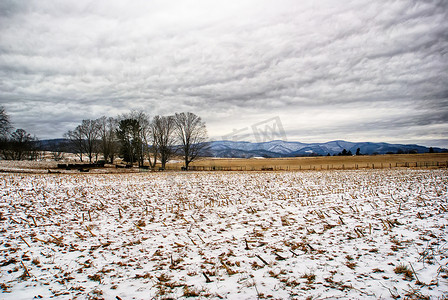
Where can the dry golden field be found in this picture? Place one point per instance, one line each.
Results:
(320, 163)
(427, 160)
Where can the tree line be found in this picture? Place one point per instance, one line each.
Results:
(135, 137)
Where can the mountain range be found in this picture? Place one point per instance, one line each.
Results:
(239, 149)
(279, 148)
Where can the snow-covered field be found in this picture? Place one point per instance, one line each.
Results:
(364, 234)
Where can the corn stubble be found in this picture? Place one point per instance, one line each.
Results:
(354, 234)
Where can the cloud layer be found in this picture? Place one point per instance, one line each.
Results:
(358, 70)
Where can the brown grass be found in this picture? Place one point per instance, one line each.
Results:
(426, 160)
(321, 162)
(310, 277)
(403, 269)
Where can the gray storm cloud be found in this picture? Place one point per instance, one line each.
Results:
(359, 70)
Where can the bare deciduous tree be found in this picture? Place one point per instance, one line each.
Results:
(144, 134)
(84, 139)
(76, 141)
(162, 130)
(5, 124)
(149, 138)
(108, 137)
(91, 132)
(191, 133)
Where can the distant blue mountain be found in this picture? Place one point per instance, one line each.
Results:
(286, 149)
(292, 149)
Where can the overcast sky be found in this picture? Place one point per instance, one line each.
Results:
(324, 70)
